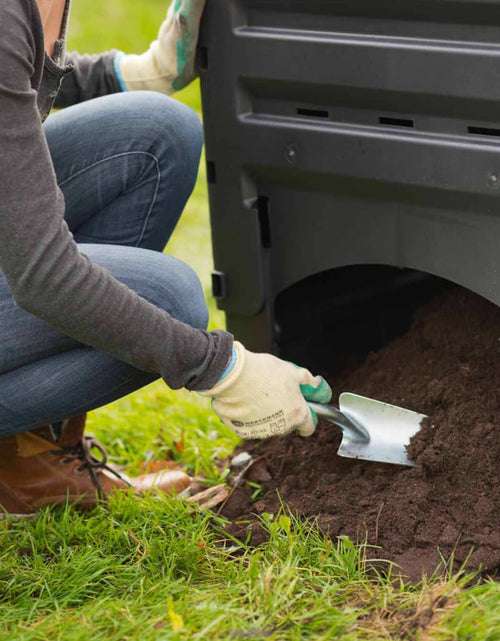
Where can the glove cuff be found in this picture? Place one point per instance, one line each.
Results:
(229, 367)
(142, 72)
(231, 373)
(118, 71)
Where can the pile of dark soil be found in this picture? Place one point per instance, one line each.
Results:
(448, 367)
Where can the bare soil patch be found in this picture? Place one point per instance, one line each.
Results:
(448, 367)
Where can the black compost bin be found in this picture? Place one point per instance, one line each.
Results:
(353, 155)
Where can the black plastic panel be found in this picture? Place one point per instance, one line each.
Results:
(350, 132)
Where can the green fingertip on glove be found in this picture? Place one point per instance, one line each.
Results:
(186, 13)
(320, 394)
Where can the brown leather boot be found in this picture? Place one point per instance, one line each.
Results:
(37, 470)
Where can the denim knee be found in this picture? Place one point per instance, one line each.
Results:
(174, 124)
(164, 281)
(172, 133)
(190, 305)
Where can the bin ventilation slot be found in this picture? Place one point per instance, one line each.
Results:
(484, 131)
(211, 173)
(396, 122)
(313, 113)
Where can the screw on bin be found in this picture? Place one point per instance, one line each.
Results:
(493, 180)
(290, 154)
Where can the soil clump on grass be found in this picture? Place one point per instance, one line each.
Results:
(448, 507)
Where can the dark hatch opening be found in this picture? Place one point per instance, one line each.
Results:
(332, 318)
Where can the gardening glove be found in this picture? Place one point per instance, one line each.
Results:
(260, 396)
(169, 63)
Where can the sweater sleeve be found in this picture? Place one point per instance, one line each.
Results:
(92, 76)
(46, 273)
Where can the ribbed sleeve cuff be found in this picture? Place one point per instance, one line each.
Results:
(217, 361)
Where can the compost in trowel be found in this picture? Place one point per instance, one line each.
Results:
(372, 430)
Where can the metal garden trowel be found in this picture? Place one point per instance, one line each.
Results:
(372, 430)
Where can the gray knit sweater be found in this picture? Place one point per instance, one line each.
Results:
(46, 273)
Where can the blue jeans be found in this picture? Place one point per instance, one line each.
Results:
(126, 164)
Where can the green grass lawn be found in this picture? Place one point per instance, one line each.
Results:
(156, 568)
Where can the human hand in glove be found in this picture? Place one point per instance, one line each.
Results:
(261, 396)
(169, 63)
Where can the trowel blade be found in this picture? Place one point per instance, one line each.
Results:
(390, 428)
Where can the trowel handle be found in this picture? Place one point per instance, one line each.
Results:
(354, 432)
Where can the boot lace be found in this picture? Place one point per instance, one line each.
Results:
(83, 451)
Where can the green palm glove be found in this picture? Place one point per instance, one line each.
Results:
(169, 63)
(320, 394)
